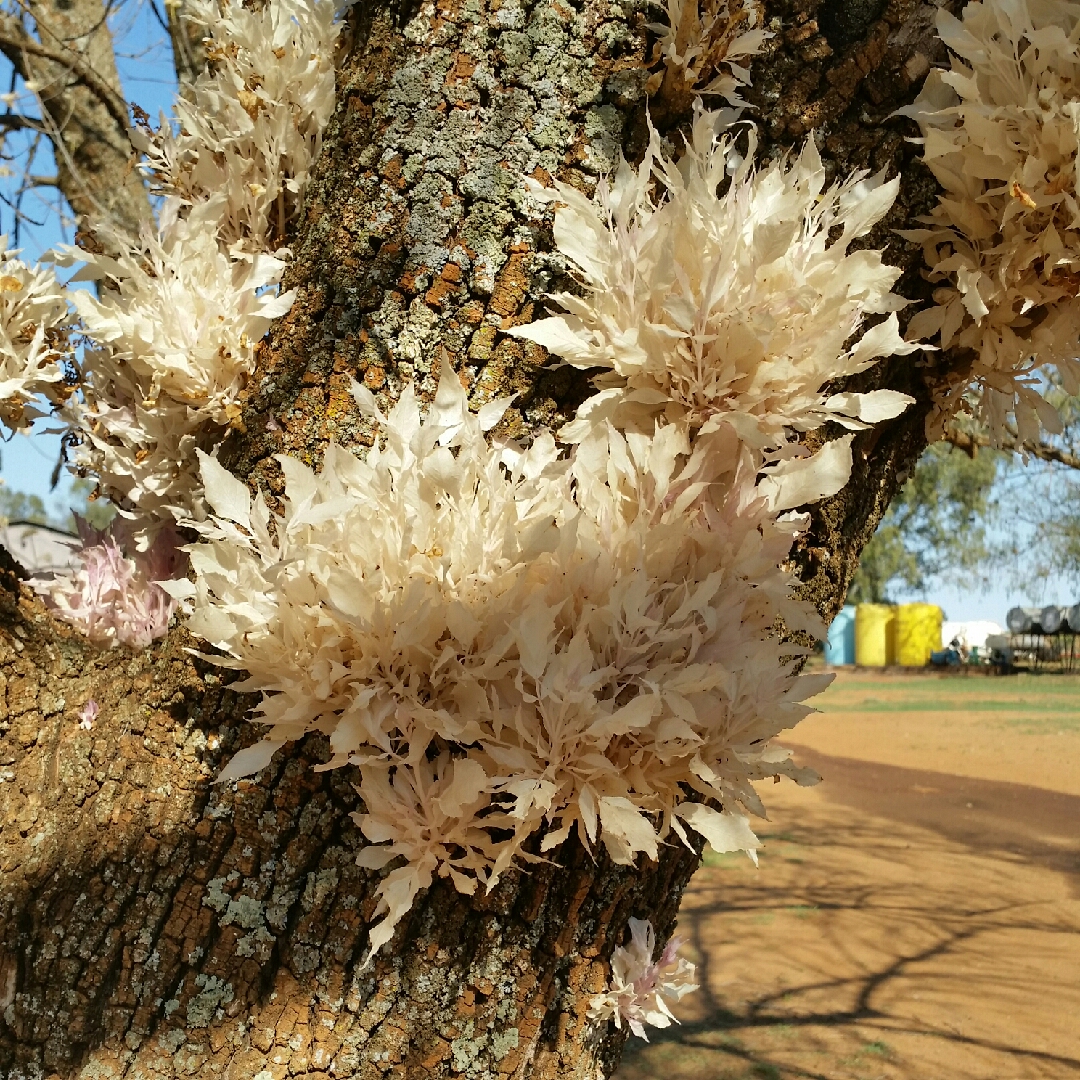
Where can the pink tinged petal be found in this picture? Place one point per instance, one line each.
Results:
(88, 714)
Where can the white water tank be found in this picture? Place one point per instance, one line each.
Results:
(972, 633)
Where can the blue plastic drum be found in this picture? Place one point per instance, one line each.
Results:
(840, 644)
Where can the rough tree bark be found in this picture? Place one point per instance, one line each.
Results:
(154, 925)
(186, 38)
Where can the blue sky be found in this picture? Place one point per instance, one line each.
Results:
(145, 61)
(144, 58)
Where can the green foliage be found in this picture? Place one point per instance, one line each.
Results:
(19, 506)
(935, 528)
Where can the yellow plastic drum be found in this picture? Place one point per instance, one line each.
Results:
(875, 635)
(918, 633)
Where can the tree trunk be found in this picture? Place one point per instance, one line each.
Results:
(186, 38)
(156, 925)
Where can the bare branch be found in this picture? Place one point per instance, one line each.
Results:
(970, 444)
(14, 37)
(189, 55)
(71, 65)
(15, 122)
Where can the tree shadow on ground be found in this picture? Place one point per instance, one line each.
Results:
(914, 941)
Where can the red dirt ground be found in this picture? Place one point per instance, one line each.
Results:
(916, 916)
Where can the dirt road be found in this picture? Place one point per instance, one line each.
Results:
(916, 916)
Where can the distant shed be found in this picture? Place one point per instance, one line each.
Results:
(40, 549)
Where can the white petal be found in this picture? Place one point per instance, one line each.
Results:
(228, 496)
(799, 481)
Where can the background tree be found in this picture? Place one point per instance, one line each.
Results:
(19, 506)
(971, 510)
(936, 528)
(1039, 540)
(151, 922)
(65, 88)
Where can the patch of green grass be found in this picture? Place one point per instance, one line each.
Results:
(1036, 705)
(878, 1048)
(944, 704)
(725, 860)
(764, 1070)
(803, 911)
(1052, 685)
(764, 918)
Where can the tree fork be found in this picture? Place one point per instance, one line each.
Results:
(156, 925)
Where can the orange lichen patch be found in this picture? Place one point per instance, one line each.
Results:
(340, 402)
(409, 278)
(391, 171)
(439, 293)
(511, 287)
(440, 1052)
(472, 312)
(462, 69)
(375, 378)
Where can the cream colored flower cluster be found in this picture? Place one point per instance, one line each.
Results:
(641, 988)
(507, 641)
(724, 316)
(701, 43)
(249, 130)
(1001, 130)
(175, 322)
(34, 327)
(173, 332)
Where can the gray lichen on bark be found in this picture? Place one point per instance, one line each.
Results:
(420, 235)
